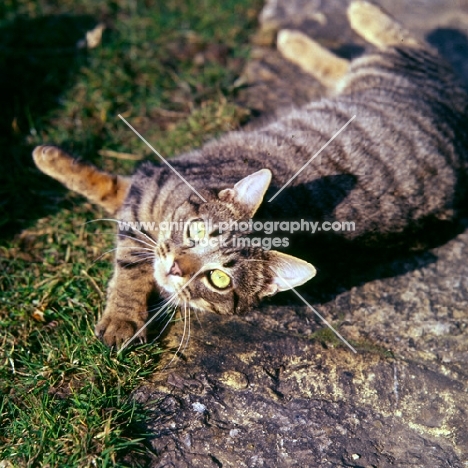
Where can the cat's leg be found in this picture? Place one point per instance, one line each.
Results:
(106, 190)
(127, 297)
(377, 27)
(303, 51)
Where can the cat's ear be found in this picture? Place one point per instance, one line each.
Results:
(287, 272)
(249, 191)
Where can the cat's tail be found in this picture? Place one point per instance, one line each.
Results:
(101, 188)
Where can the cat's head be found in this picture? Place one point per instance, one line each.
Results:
(207, 261)
(222, 275)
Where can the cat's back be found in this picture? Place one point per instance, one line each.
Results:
(398, 153)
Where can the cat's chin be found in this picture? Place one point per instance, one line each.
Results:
(168, 285)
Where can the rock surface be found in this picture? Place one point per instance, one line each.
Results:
(275, 388)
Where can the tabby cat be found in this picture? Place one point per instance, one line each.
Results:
(399, 164)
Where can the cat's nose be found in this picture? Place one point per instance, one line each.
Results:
(175, 269)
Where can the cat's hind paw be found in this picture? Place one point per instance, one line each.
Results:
(314, 59)
(106, 190)
(49, 159)
(376, 26)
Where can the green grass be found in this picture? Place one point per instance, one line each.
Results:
(170, 69)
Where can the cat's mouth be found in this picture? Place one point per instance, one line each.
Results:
(172, 283)
(169, 276)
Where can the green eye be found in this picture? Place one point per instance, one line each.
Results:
(196, 230)
(219, 279)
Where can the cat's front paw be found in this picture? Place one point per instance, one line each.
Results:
(116, 331)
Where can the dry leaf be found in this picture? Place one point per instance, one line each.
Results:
(93, 37)
(38, 315)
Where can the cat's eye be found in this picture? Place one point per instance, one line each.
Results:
(196, 230)
(219, 279)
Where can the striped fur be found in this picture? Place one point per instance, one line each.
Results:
(399, 165)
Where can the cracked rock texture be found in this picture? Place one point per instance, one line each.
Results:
(275, 388)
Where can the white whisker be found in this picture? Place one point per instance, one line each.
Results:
(184, 318)
(187, 320)
(152, 241)
(173, 302)
(314, 311)
(120, 247)
(147, 324)
(139, 240)
(169, 320)
(102, 219)
(198, 318)
(185, 336)
(176, 294)
(166, 303)
(142, 259)
(134, 229)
